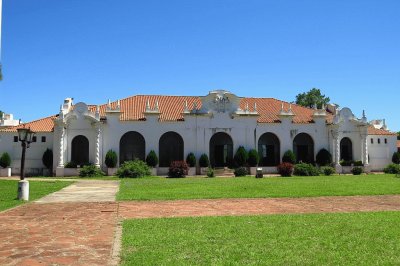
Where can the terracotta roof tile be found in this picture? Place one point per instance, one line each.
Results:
(41, 125)
(375, 131)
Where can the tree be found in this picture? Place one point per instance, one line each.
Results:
(1, 114)
(398, 135)
(312, 97)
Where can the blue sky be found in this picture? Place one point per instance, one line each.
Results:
(94, 50)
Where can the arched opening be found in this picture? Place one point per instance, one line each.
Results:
(80, 150)
(303, 148)
(132, 146)
(221, 150)
(269, 149)
(170, 148)
(346, 149)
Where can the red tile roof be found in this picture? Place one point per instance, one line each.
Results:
(41, 125)
(375, 131)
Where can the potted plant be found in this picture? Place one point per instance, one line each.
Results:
(5, 162)
(111, 162)
(191, 162)
(204, 163)
(152, 161)
(253, 161)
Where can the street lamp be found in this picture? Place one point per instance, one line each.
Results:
(25, 136)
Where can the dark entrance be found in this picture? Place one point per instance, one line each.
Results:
(303, 148)
(346, 149)
(131, 146)
(221, 150)
(80, 150)
(170, 148)
(269, 149)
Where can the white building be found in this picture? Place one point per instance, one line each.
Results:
(216, 124)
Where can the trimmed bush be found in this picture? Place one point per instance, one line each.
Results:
(396, 158)
(111, 159)
(70, 164)
(178, 169)
(324, 157)
(240, 157)
(133, 169)
(327, 170)
(152, 159)
(358, 163)
(305, 169)
(357, 170)
(90, 171)
(253, 158)
(289, 157)
(47, 159)
(240, 171)
(392, 169)
(5, 160)
(191, 160)
(346, 163)
(210, 172)
(285, 169)
(203, 161)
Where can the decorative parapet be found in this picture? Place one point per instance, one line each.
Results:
(286, 114)
(152, 111)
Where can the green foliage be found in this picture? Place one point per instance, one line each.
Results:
(396, 158)
(5, 160)
(312, 97)
(47, 159)
(358, 163)
(398, 135)
(392, 169)
(133, 169)
(210, 172)
(254, 158)
(203, 161)
(152, 159)
(285, 169)
(327, 170)
(357, 170)
(240, 157)
(289, 157)
(178, 169)
(1, 113)
(191, 160)
(345, 163)
(324, 157)
(305, 169)
(240, 171)
(70, 164)
(90, 171)
(111, 159)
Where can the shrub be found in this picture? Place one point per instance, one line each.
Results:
(396, 158)
(133, 169)
(285, 169)
(178, 169)
(203, 161)
(357, 170)
(289, 157)
(210, 172)
(152, 159)
(240, 157)
(5, 160)
(90, 171)
(358, 163)
(327, 170)
(392, 169)
(324, 157)
(253, 158)
(305, 169)
(191, 160)
(47, 158)
(346, 163)
(240, 171)
(111, 159)
(70, 164)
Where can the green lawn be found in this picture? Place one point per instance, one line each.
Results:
(38, 189)
(161, 188)
(313, 239)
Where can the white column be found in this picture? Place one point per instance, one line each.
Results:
(97, 159)
(364, 151)
(61, 157)
(336, 145)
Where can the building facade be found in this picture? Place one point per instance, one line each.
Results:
(215, 124)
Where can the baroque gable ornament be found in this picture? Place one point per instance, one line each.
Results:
(221, 102)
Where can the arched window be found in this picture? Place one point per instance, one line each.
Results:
(303, 148)
(221, 150)
(346, 149)
(269, 149)
(132, 146)
(170, 148)
(80, 150)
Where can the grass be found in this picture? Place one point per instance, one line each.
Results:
(313, 239)
(77, 177)
(160, 188)
(37, 189)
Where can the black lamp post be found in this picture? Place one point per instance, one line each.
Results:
(25, 136)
